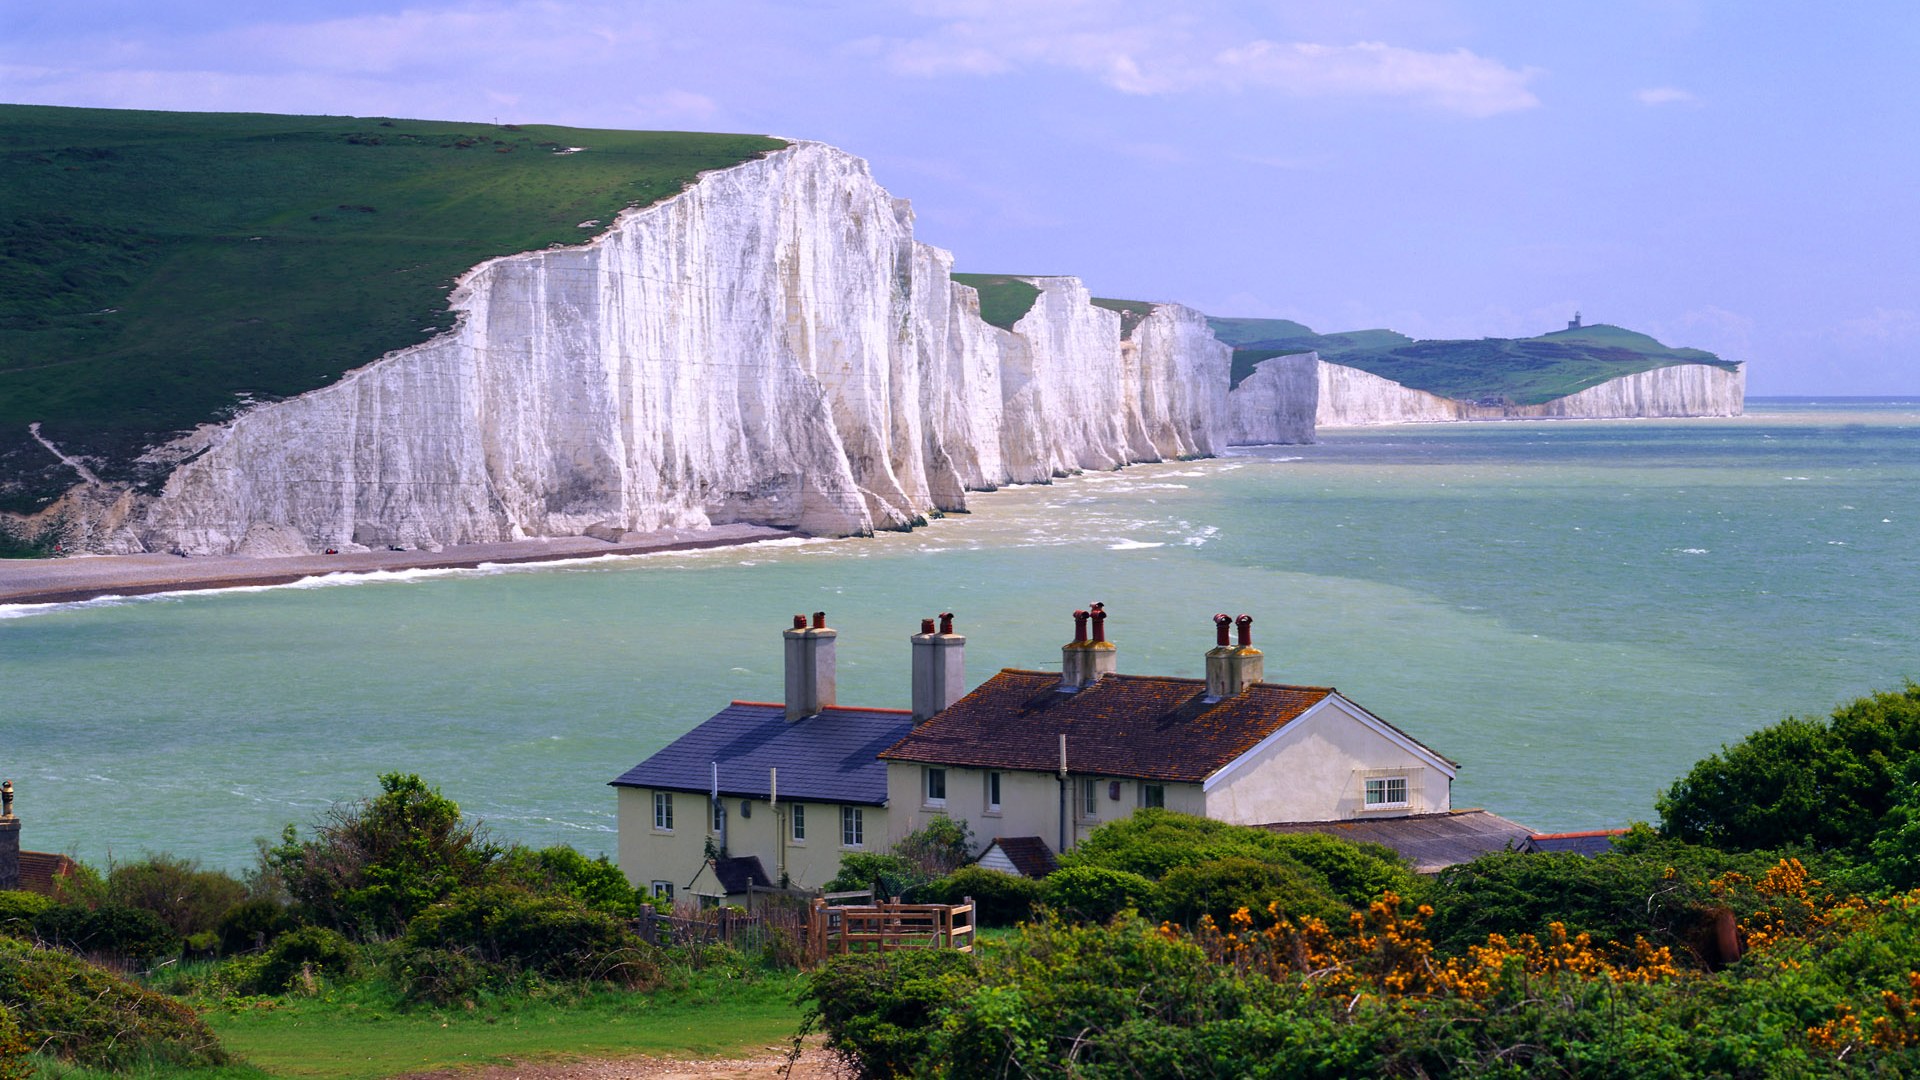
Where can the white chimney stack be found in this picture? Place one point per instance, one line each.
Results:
(1089, 656)
(809, 666)
(1230, 668)
(939, 667)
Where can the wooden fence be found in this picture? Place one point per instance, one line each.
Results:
(884, 927)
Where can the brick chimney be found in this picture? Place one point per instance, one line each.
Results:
(939, 667)
(809, 666)
(9, 840)
(1089, 656)
(1233, 668)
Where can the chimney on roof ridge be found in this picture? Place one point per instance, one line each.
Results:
(9, 840)
(1231, 669)
(809, 666)
(1088, 657)
(939, 667)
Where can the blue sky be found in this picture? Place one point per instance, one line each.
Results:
(1734, 176)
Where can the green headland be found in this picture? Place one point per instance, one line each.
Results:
(1005, 299)
(1513, 371)
(159, 269)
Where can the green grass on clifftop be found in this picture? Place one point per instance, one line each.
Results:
(1005, 299)
(1513, 371)
(1131, 312)
(158, 268)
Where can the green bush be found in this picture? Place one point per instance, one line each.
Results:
(879, 1009)
(296, 955)
(18, 910)
(109, 930)
(14, 1049)
(999, 899)
(1827, 785)
(895, 874)
(188, 899)
(371, 867)
(1154, 842)
(553, 936)
(1221, 887)
(253, 924)
(440, 976)
(939, 848)
(85, 1015)
(1095, 893)
(562, 871)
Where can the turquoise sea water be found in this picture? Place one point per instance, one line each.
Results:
(1575, 611)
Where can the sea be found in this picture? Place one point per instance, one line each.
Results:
(1575, 611)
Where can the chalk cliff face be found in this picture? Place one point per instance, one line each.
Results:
(1350, 397)
(1278, 403)
(770, 346)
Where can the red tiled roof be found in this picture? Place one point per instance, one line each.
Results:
(1143, 726)
(1029, 854)
(38, 869)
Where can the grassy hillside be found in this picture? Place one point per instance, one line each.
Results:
(1004, 298)
(158, 268)
(1517, 371)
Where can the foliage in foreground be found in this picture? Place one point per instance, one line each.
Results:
(1831, 988)
(84, 1014)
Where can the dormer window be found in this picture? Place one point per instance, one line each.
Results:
(1386, 792)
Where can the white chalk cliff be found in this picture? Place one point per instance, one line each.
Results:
(1350, 397)
(770, 346)
(1278, 403)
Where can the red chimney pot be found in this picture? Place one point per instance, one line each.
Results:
(926, 626)
(799, 622)
(1245, 622)
(1220, 624)
(819, 620)
(946, 622)
(1099, 622)
(1080, 626)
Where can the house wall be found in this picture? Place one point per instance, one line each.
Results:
(1315, 768)
(1029, 803)
(647, 854)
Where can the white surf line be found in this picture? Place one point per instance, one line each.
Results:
(86, 474)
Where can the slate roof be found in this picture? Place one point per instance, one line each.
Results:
(1591, 842)
(736, 873)
(1029, 854)
(829, 757)
(1431, 842)
(1142, 726)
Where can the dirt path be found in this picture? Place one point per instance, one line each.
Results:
(814, 1064)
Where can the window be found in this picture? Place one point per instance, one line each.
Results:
(1385, 791)
(1153, 795)
(936, 787)
(719, 816)
(1089, 797)
(799, 814)
(663, 811)
(993, 793)
(663, 889)
(853, 828)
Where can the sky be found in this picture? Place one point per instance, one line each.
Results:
(1734, 176)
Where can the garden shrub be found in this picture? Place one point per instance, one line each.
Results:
(14, 1049)
(440, 976)
(109, 930)
(554, 936)
(879, 1009)
(1095, 893)
(295, 955)
(371, 867)
(188, 899)
(17, 912)
(562, 871)
(938, 848)
(253, 924)
(999, 899)
(88, 1016)
(895, 874)
(1221, 887)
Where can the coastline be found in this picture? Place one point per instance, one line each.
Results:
(90, 577)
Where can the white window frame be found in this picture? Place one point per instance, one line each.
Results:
(853, 827)
(797, 823)
(663, 811)
(934, 779)
(1153, 796)
(1385, 787)
(993, 783)
(663, 889)
(1089, 798)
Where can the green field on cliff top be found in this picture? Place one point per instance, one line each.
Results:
(157, 269)
(1512, 371)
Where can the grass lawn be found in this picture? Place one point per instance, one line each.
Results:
(158, 269)
(1005, 299)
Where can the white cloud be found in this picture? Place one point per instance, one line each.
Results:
(1666, 95)
(1151, 53)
